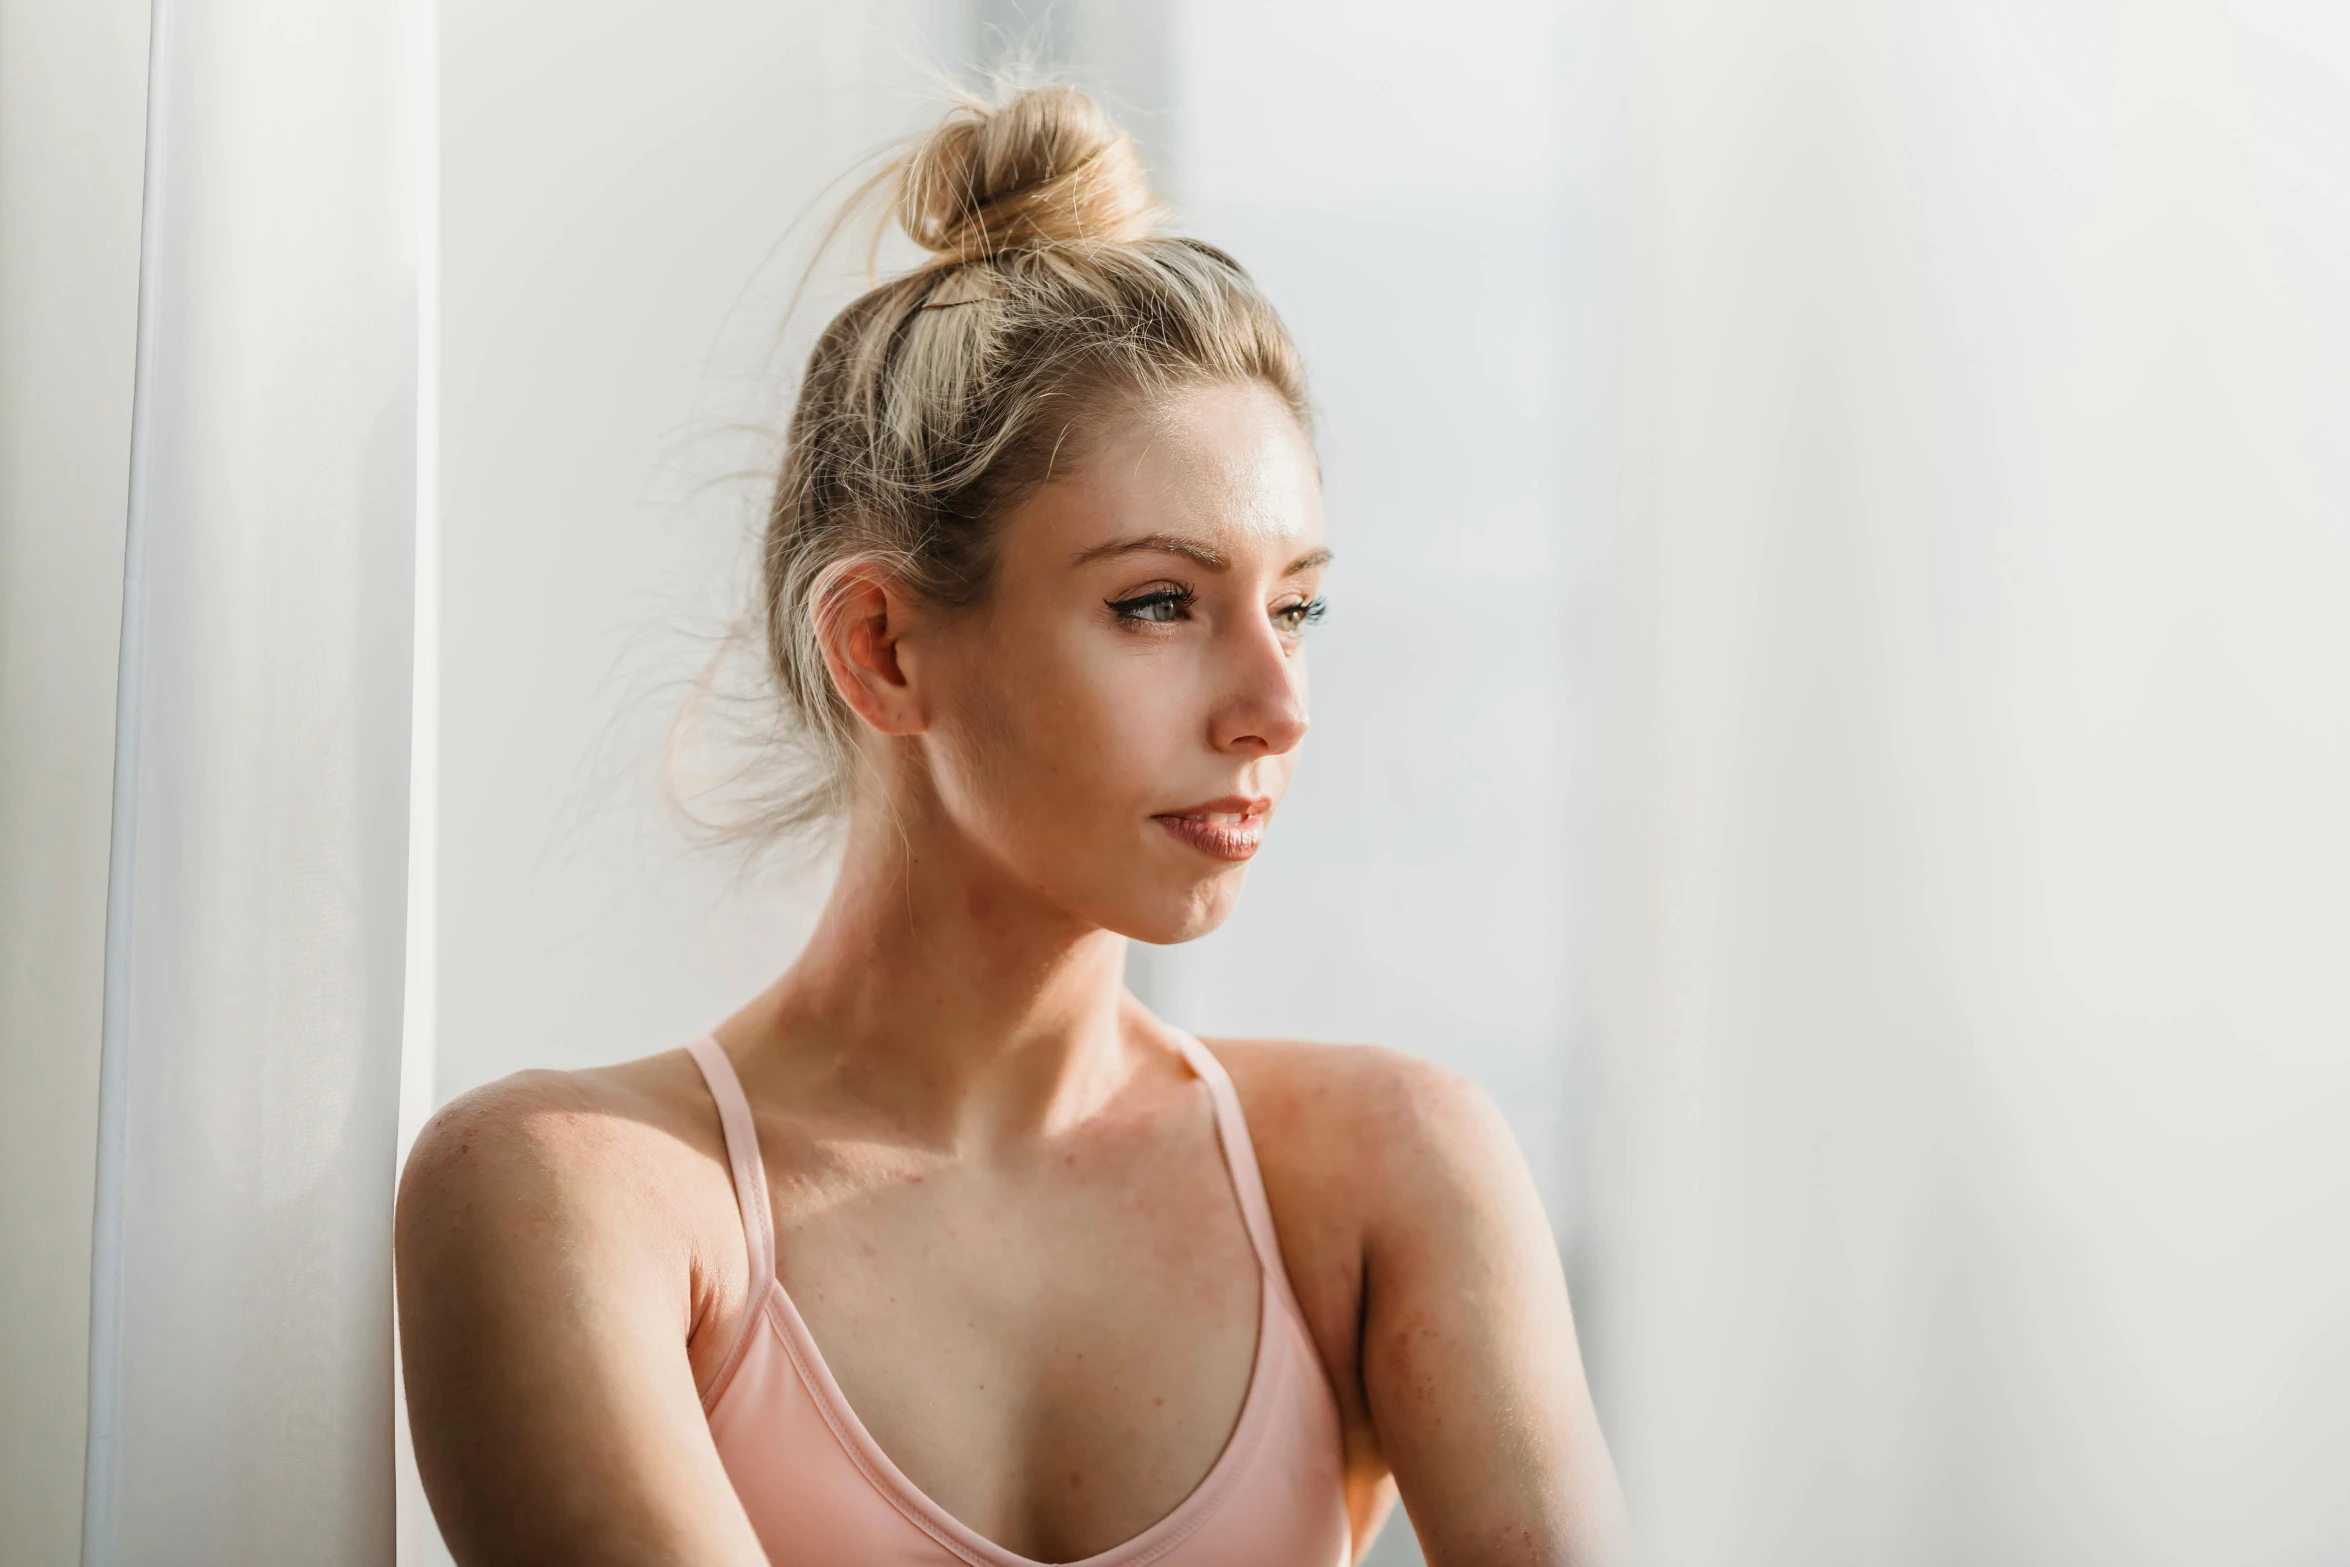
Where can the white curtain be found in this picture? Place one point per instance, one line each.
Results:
(1967, 1178)
(240, 1347)
(73, 73)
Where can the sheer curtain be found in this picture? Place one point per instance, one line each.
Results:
(240, 1351)
(73, 74)
(1969, 1022)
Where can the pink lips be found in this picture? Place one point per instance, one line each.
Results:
(1228, 829)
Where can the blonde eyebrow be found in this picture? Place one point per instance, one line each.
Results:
(1207, 555)
(1160, 544)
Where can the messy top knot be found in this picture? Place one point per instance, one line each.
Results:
(1047, 166)
(934, 402)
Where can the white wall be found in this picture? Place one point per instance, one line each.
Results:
(73, 101)
(628, 194)
(621, 186)
(1402, 189)
(1410, 190)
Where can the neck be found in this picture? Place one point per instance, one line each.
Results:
(942, 994)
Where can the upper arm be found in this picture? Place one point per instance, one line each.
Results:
(1469, 1362)
(543, 1325)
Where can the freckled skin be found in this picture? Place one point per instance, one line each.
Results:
(998, 1194)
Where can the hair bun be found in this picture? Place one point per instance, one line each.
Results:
(1045, 167)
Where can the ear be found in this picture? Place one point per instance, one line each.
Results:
(862, 619)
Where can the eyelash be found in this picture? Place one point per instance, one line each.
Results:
(1300, 616)
(1137, 609)
(1178, 599)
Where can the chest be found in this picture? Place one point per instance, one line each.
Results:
(1053, 1350)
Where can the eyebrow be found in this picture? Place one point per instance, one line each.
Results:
(1207, 555)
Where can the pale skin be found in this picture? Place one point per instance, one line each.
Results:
(998, 1194)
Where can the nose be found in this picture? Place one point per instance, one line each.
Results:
(1262, 708)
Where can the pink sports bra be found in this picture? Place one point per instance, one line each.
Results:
(822, 1493)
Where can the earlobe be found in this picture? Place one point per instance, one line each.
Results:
(861, 623)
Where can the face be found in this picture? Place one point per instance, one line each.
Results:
(1117, 724)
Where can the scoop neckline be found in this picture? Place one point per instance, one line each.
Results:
(922, 1510)
(1187, 1516)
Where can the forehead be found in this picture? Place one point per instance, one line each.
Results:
(1225, 464)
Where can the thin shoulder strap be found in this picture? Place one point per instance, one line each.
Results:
(750, 1195)
(1240, 1159)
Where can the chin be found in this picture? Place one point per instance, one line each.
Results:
(1184, 914)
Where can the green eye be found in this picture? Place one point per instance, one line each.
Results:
(1294, 618)
(1156, 607)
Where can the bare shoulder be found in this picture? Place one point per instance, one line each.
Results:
(1359, 1117)
(1366, 1152)
(623, 1151)
(562, 1240)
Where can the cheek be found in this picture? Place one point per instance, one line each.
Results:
(1066, 734)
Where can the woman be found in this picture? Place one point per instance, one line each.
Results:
(944, 1250)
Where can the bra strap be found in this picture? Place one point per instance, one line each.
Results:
(750, 1195)
(1240, 1160)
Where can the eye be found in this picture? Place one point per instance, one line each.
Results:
(1294, 618)
(1158, 606)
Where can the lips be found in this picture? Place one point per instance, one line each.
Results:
(1228, 829)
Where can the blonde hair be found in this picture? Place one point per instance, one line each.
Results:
(932, 403)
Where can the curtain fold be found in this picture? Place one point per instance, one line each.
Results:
(241, 1313)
